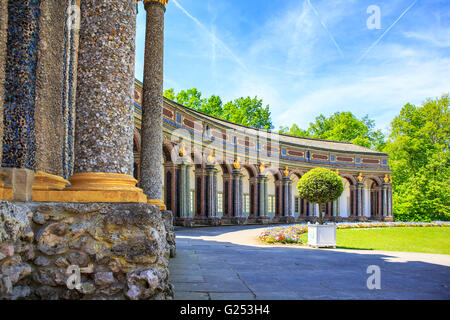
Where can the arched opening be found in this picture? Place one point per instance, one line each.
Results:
(344, 202)
(370, 198)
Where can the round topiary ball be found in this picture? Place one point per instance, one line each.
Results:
(320, 185)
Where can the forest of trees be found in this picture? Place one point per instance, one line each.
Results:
(418, 145)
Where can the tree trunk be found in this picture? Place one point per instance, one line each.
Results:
(321, 206)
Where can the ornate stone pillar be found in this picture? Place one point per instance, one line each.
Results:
(3, 40)
(359, 199)
(20, 30)
(385, 201)
(391, 209)
(21, 61)
(50, 78)
(261, 201)
(152, 103)
(182, 194)
(200, 210)
(211, 194)
(286, 214)
(105, 100)
(253, 197)
(238, 196)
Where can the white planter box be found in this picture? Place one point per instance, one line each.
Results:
(322, 235)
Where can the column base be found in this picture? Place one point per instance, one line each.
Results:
(88, 188)
(158, 203)
(258, 220)
(184, 222)
(44, 181)
(6, 193)
(234, 220)
(283, 220)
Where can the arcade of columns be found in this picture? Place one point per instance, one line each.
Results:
(214, 174)
(48, 60)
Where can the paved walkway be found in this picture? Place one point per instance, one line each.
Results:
(229, 263)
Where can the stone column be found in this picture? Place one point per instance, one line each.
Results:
(152, 103)
(238, 196)
(387, 188)
(266, 198)
(211, 194)
(359, 199)
(353, 207)
(3, 39)
(21, 61)
(105, 100)
(187, 186)
(261, 202)
(385, 200)
(18, 68)
(49, 118)
(182, 209)
(286, 194)
(290, 209)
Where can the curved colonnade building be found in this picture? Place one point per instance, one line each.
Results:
(217, 172)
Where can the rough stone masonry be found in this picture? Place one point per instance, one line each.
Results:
(122, 251)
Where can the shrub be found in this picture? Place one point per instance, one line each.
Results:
(320, 185)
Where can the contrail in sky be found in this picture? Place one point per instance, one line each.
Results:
(326, 29)
(212, 35)
(384, 33)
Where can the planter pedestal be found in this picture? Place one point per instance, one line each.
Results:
(322, 235)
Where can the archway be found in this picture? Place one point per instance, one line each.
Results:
(344, 202)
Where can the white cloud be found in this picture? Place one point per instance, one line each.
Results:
(439, 38)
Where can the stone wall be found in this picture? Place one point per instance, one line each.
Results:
(120, 250)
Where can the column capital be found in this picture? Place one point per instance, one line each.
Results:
(163, 3)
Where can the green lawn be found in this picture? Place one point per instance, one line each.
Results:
(411, 239)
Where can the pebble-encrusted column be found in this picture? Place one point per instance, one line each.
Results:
(286, 186)
(262, 196)
(385, 200)
(391, 209)
(238, 196)
(20, 62)
(105, 99)
(3, 39)
(359, 199)
(211, 192)
(49, 120)
(19, 144)
(183, 191)
(152, 103)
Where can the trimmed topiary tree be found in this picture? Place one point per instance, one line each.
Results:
(320, 186)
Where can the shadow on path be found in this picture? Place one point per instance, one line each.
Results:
(223, 270)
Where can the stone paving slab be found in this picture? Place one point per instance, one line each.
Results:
(229, 263)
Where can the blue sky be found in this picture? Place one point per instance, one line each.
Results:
(307, 57)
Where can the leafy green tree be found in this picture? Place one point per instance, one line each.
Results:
(418, 148)
(245, 111)
(249, 112)
(320, 185)
(341, 126)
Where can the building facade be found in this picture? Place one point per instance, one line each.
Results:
(216, 172)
